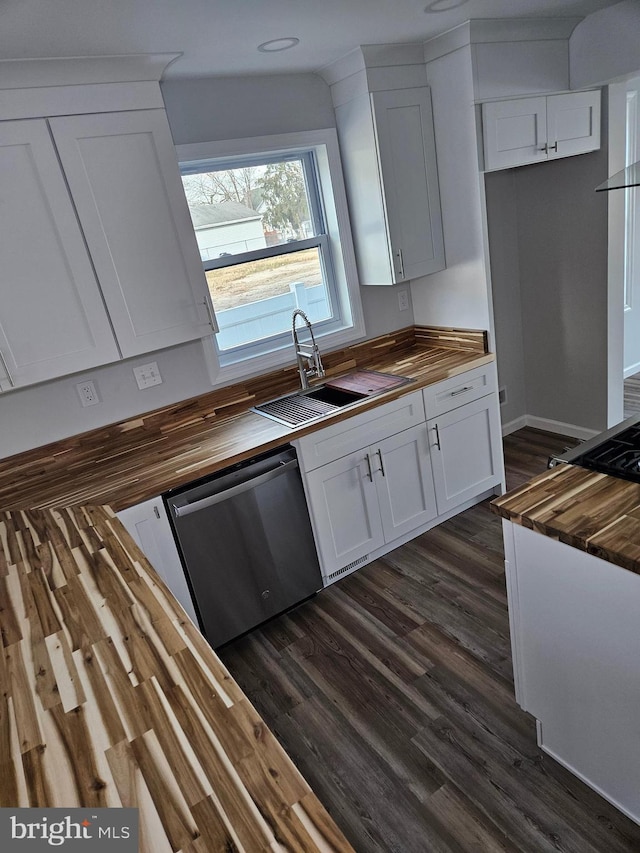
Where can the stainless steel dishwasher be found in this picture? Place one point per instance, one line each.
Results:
(246, 543)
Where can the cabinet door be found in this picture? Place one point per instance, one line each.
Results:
(466, 452)
(123, 175)
(407, 154)
(514, 132)
(52, 318)
(344, 508)
(573, 123)
(148, 525)
(404, 482)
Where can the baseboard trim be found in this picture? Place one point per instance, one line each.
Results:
(548, 425)
(513, 426)
(631, 371)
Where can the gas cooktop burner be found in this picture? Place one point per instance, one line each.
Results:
(618, 455)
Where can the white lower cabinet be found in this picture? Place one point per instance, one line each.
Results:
(345, 511)
(149, 526)
(379, 478)
(575, 637)
(466, 452)
(371, 497)
(465, 436)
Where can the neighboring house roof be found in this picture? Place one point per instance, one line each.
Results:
(210, 215)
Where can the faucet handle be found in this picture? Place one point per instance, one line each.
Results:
(319, 369)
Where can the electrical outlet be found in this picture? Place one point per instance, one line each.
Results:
(502, 395)
(87, 393)
(403, 300)
(147, 375)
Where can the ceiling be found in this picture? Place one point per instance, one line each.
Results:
(220, 37)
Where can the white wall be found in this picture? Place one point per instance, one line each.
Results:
(208, 109)
(548, 240)
(457, 296)
(502, 214)
(516, 68)
(606, 45)
(33, 416)
(605, 48)
(562, 237)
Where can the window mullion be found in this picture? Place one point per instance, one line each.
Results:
(267, 252)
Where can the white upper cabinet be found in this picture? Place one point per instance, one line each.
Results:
(531, 130)
(99, 258)
(52, 317)
(388, 152)
(122, 171)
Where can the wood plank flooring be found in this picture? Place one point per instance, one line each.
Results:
(632, 395)
(392, 691)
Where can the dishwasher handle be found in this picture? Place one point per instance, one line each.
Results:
(225, 494)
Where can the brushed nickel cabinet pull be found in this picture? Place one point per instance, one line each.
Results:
(462, 390)
(210, 315)
(370, 472)
(379, 452)
(400, 264)
(553, 147)
(544, 148)
(437, 444)
(6, 370)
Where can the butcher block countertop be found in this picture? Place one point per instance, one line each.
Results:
(594, 512)
(111, 697)
(126, 463)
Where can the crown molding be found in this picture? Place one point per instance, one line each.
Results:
(488, 30)
(84, 70)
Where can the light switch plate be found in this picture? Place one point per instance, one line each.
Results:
(147, 375)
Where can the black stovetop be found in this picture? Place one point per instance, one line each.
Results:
(618, 456)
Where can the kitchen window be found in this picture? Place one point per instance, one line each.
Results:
(271, 225)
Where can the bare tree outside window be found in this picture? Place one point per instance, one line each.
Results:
(227, 185)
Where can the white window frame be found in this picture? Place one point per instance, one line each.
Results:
(324, 144)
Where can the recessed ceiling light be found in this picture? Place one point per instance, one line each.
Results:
(444, 5)
(275, 45)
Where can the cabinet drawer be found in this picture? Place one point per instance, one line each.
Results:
(471, 385)
(358, 431)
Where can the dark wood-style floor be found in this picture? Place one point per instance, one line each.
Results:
(392, 691)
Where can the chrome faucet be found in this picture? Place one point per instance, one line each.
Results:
(310, 352)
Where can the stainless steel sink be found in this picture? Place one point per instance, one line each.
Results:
(317, 402)
(301, 407)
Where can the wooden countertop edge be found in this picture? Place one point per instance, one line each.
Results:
(592, 512)
(183, 455)
(287, 434)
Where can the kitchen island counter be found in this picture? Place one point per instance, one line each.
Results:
(590, 511)
(572, 560)
(111, 697)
